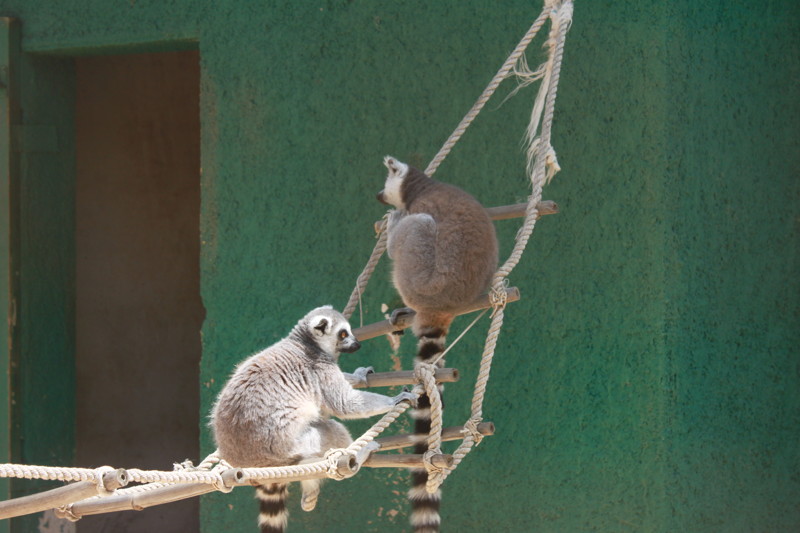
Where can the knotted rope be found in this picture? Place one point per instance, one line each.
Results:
(425, 375)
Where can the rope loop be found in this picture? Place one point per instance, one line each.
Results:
(427, 459)
(498, 295)
(435, 473)
(471, 429)
(333, 456)
(425, 373)
(219, 483)
(98, 480)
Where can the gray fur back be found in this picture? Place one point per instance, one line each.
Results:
(272, 397)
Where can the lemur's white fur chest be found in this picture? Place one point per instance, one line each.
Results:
(392, 192)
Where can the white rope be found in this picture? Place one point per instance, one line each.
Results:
(52, 473)
(425, 374)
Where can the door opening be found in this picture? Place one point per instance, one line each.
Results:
(138, 307)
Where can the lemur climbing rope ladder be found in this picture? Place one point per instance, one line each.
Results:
(542, 166)
(98, 490)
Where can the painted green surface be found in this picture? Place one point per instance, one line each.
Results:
(9, 113)
(43, 376)
(649, 378)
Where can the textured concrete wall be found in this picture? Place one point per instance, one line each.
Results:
(648, 380)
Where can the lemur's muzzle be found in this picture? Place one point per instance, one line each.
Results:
(381, 199)
(350, 346)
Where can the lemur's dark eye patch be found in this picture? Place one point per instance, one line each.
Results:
(322, 325)
(343, 334)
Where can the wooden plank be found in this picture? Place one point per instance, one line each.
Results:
(406, 377)
(57, 497)
(407, 460)
(385, 326)
(395, 442)
(503, 212)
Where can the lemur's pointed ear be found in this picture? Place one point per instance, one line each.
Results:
(321, 325)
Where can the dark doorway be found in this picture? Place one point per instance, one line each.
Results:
(139, 311)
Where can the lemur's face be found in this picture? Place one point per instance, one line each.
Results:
(333, 334)
(392, 190)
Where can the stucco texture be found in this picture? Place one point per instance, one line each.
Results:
(649, 379)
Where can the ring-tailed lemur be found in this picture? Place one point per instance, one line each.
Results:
(444, 250)
(274, 409)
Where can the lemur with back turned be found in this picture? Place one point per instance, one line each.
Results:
(275, 408)
(444, 251)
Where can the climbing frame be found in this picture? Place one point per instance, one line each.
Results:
(103, 489)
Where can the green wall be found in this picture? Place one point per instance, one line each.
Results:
(649, 380)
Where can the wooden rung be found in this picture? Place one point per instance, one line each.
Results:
(406, 460)
(57, 497)
(136, 501)
(406, 377)
(448, 434)
(545, 207)
(385, 326)
(503, 212)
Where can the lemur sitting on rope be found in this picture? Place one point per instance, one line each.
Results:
(274, 409)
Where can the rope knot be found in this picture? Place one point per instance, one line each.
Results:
(334, 458)
(436, 474)
(471, 429)
(423, 372)
(219, 482)
(498, 295)
(99, 482)
(427, 459)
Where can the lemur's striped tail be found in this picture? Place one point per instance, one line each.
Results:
(425, 506)
(273, 515)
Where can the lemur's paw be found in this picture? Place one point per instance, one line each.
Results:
(401, 313)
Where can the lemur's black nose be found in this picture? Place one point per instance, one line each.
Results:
(350, 347)
(379, 196)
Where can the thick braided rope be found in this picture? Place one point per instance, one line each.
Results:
(53, 473)
(210, 470)
(561, 16)
(380, 246)
(425, 375)
(326, 466)
(487, 93)
(363, 278)
(180, 476)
